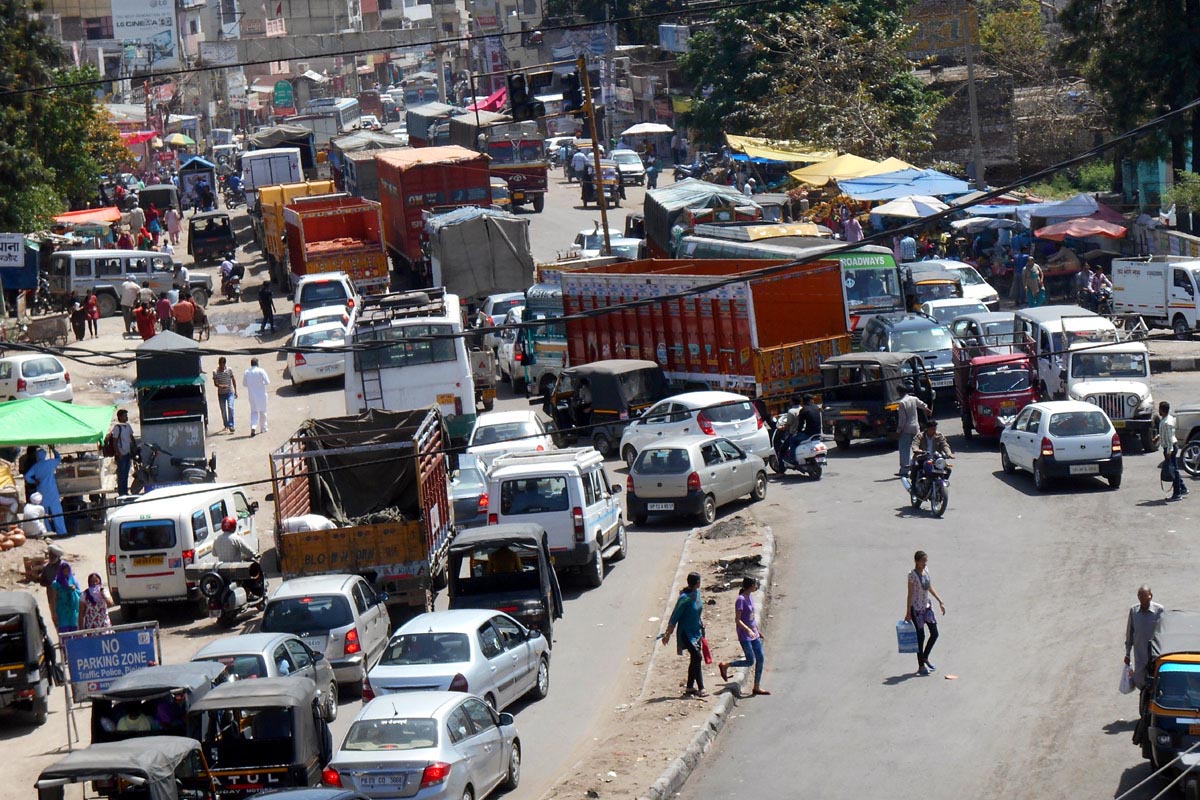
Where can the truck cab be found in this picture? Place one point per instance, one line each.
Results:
(1047, 333)
(1115, 377)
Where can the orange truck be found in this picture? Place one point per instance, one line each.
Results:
(267, 221)
(337, 233)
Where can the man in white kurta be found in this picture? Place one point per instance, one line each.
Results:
(255, 382)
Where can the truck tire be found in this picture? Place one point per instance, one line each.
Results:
(1180, 327)
(539, 202)
(200, 296)
(107, 304)
(602, 444)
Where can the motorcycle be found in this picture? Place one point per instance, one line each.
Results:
(194, 470)
(230, 587)
(232, 197)
(932, 482)
(231, 285)
(1099, 302)
(808, 455)
(696, 170)
(42, 303)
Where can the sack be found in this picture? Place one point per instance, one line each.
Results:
(906, 637)
(704, 651)
(1126, 685)
(1167, 473)
(109, 450)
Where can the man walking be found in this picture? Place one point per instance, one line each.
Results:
(1170, 448)
(184, 314)
(226, 392)
(1139, 630)
(256, 382)
(266, 302)
(908, 424)
(129, 298)
(125, 445)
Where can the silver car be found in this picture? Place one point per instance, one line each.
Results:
(692, 475)
(428, 745)
(474, 650)
(274, 655)
(338, 615)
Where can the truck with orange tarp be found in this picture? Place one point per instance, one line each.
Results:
(337, 233)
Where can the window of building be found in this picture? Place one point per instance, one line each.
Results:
(98, 28)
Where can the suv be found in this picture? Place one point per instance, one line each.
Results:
(319, 291)
(338, 615)
(914, 333)
(569, 493)
(1115, 377)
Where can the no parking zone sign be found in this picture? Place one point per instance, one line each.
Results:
(96, 658)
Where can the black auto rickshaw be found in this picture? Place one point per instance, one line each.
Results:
(600, 398)
(268, 733)
(162, 195)
(1169, 723)
(153, 700)
(861, 393)
(26, 656)
(152, 768)
(508, 568)
(610, 180)
(210, 236)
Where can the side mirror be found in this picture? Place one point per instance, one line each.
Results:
(616, 488)
(382, 597)
(532, 633)
(507, 719)
(270, 498)
(254, 506)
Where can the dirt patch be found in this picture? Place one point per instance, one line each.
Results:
(647, 731)
(12, 565)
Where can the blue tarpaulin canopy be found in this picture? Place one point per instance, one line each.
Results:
(196, 164)
(903, 183)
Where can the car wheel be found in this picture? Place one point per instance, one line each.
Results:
(1179, 327)
(602, 444)
(541, 686)
(200, 296)
(629, 454)
(1040, 481)
(760, 487)
(708, 512)
(1190, 458)
(468, 794)
(842, 441)
(622, 543)
(1006, 463)
(107, 305)
(595, 574)
(331, 702)
(1115, 481)
(513, 777)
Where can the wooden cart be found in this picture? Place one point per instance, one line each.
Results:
(50, 329)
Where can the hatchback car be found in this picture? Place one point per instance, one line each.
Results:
(708, 413)
(443, 745)
(1062, 439)
(35, 375)
(338, 615)
(492, 312)
(499, 432)
(629, 163)
(468, 493)
(946, 311)
(475, 650)
(314, 316)
(974, 287)
(692, 475)
(317, 353)
(319, 291)
(274, 655)
(914, 333)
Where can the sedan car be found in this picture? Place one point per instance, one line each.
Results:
(468, 493)
(698, 413)
(1062, 439)
(318, 353)
(35, 375)
(499, 432)
(692, 475)
(274, 655)
(474, 650)
(428, 745)
(947, 310)
(629, 163)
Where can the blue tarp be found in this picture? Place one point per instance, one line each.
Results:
(743, 158)
(903, 183)
(196, 164)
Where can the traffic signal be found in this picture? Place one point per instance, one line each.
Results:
(518, 97)
(572, 92)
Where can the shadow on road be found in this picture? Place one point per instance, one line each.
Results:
(896, 680)
(1120, 726)
(1023, 482)
(1135, 775)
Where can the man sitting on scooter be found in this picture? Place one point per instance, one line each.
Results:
(928, 444)
(1098, 285)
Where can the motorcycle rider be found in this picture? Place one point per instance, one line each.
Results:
(231, 546)
(1098, 286)
(929, 443)
(810, 417)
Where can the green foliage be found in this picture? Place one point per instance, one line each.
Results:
(1094, 176)
(1185, 193)
(1013, 40)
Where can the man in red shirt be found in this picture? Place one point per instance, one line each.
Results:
(184, 314)
(147, 321)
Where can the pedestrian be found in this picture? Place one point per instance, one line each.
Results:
(749, 637)
(852, 229)
(908, 248)
(152, 222)
(908, 424)
(129, 296)
(182, 279)
(173, 226)
(266, 302)
(687, 619)
(146, 320)
(183, 315)
(226, 392)
(124, 444)
(33, 517)
(67, 597)
(919, 611)
(145, 240)
(1139, 630)
(54, 555)
(652, 170)
(1170, 448)
(1019, 262)
(79, 317)
(1035, 284)
(137, 218)
(42, 475)
(162, 310)
(146, 294)
(256, 382)
(96, 603)
(125, 240)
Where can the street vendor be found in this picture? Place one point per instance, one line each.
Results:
(42, 476)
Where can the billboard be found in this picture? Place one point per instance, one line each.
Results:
(96, 658)
(12, 250)
(148, 27)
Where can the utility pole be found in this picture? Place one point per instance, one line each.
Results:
(968, 16)
(590, 109)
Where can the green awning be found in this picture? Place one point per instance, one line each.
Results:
(39, 421)
(156, 383)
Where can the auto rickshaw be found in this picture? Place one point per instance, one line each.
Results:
(1169, 723)
(162, 195)
(992, 390)
(610, 179)
(153, 700)
(210, 236)
(861, 393)
(921, 287)
(268, 733)
(151, 768)
(501, 196)
(601, 398)
(26, 656)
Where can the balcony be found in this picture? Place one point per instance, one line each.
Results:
(252, 27)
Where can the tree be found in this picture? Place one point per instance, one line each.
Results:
(76, 138)
(832, 75)
(1013, 40)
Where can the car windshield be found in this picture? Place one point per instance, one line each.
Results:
(944, 314)
(307, 614)
(1002, 379)
(467, 483)
(323, 293)
(1078, 423)
(1108, 365)
(147, 534)
(242, 667)
(329, 314)
(503, 432)
(968, 276)
(921, 340)
(627, 158)
(308, 338)
(1178, 686)
(534, 495)
(729, 411)
(392, 733)
(408, 649)
(501, 307)
(937, 290)
(662, 461)
(593, 241)
(626, 250)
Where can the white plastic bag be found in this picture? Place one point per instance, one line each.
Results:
(1126, 686)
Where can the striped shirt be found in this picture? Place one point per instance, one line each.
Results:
(223, 379)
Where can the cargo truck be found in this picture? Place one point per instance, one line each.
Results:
(359, 175)
(337, 233)
(1162, 290)
(267, 221)
(268, 168)
(427, 124)
(665, 207)
(517, 151)
(762, 336)
(376, 484)
(475, 252)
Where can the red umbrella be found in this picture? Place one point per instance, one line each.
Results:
(1080, 228)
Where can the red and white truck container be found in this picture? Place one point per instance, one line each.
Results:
(337, 233)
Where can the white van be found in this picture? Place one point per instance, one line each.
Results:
(1047, 332)
(569, 493)
(150, 540)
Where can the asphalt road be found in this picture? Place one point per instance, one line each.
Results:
(1036, 586)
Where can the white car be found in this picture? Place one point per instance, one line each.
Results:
(320, 291)
(369, 122)
(708, 413)
(1062, 439)
(629, 164)
(589, 242)
(492, 311)
(314, 316)
(499, 432)
(973, 285)
(506, 352)
(319, 354)
(35, 375)
(949, 309)
(556, 143)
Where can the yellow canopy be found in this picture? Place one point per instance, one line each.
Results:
(844, 166)
(777, 149)
(893, 165)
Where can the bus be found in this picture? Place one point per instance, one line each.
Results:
(345, 110)
(419, 358)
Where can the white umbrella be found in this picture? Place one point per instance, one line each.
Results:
(972, 224)
(647, 128)
(912, 207)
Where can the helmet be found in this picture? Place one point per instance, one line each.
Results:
(229, 524)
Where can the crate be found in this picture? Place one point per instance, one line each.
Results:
(33, 568)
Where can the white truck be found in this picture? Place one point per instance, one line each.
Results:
(1161, 290)
(269, 167)
(1115, 377)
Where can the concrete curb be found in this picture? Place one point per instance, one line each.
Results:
(680, 769)
(1174, 364)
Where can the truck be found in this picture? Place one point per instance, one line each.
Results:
(1162, 290)
(267, 221)
(758, 335)
(297, 136)
(475, 252)
(664, 207)
(267, 168)
(337, 233)
(359, 175)
(426, 124)
(366, 494)
(415, 180)
(324, 127)
(517, 151)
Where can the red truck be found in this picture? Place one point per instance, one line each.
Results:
(336, 233)
(762, 336)
(517, 150)
(415, 180)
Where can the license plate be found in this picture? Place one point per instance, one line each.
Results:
(316, 643)
(489, 394)
(1004, 407)
(328, 368)
(660, 506)
(445, 399)
(147, 561)
(518, 195)
(1118, 423)
(1085, 469)
(396, 781)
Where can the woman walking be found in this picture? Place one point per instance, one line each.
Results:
(78, 318)
(96, 603)
(748, 635)
(93, 314)
(171, 217)
(919, 611)
(66, 599)
(686, 618)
